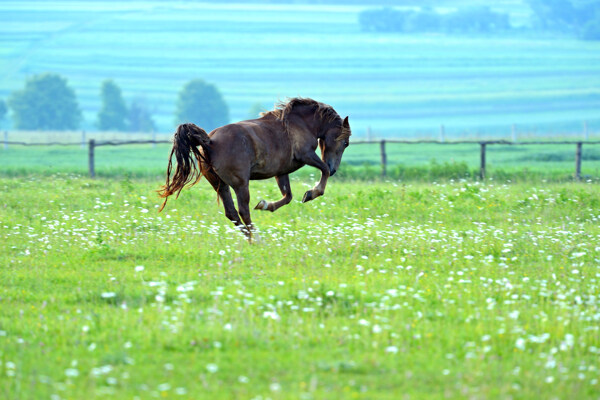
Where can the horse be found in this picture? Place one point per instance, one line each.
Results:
(276, 144)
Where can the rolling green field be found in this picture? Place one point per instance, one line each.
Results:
(374, 291)
(399, 85)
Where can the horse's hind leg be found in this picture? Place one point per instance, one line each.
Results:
(230, 211)
(224, 193)
(284, 185)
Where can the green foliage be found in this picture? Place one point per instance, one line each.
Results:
(3, 110)
(466, 20)
(579, 17)
(553, 14)
(46, 103)
(201, 103)
(140, 117)
(476, 20)
(591, 30)
(113, 114)
(383, 20)
(255, 110)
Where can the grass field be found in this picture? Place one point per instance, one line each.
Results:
(374, 291)
(399, 85)
(406, 162)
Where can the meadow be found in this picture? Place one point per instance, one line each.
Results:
(382, 290)
(406, 162)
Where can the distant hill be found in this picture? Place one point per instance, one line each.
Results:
(399, 85)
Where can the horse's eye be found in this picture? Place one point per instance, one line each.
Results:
(346, 143)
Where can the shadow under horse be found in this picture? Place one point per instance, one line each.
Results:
(274, 145)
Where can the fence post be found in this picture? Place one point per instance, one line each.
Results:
(578, 161)
(482, 163)
(5, 140)
(442, 133)
(383, 159)
(92, 144)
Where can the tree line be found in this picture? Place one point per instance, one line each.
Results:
(577, 17)
(47, 102)
(425, 19)
(580, 18)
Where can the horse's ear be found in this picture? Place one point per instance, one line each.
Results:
(345, 124)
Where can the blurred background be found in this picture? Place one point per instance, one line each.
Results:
(446, 70)
(398, 68)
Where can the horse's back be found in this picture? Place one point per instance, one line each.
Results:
(252, 149)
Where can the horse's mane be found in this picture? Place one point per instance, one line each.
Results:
(325, 112)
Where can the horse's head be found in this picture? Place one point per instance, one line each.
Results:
(333, 144)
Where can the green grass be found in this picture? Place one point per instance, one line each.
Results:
(376, 290)
(406, 162)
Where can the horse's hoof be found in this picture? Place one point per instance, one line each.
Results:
(262, 205)
(255, 239)
(307, 196)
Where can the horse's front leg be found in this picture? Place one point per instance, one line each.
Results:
(283, 181)
(314, 161)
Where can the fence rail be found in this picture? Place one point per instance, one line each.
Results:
(483, 149)
(92, 144)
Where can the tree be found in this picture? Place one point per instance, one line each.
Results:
(553, 14)
(46, 103)
(3, 110)
(591, 30)
(581, 17)
(113, 114)
(425, 19)
(140, 118)
(476, 20)
(255, 110)
(383, 20)
(201, 103)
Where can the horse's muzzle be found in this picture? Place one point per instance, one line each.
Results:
(331, 169)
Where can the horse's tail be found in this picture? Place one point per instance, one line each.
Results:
(185, 147)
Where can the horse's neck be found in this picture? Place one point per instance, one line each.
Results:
(307, 123)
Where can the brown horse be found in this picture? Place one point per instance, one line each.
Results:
(274, 145)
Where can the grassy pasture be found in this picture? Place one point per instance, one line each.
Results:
(376, 290)
(407, 162)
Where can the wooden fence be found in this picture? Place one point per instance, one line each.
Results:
(483, 149)
(92, 144)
